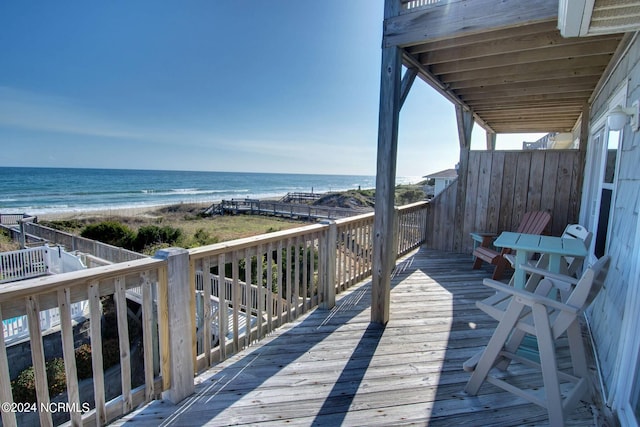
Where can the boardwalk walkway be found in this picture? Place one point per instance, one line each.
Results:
(281, 209)
(335, 368)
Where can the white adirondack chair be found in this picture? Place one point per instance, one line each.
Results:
(522, 312)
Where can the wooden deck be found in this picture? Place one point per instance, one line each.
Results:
(336, 368)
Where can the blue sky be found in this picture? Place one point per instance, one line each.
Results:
(226, 85)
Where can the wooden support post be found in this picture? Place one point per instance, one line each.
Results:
(491, 141)
(465, 126)
(383, 229)
(180, 324)
(407, 82)
(329, 270)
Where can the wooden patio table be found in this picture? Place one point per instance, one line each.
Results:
(526, 245)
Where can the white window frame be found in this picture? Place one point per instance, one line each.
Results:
(592, 194)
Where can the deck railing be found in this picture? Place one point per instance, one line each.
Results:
(23, 264)
(410, 5)
(285, 274)
(31, 297)
(12, 219)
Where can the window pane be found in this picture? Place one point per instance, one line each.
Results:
(612, 154)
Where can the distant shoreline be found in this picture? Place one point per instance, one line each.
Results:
(130, 211)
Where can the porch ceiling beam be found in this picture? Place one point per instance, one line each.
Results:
(471, 95)
(456, 18)
(533, 127)
(515, 45)
(498, 79)
(507, 91)
(547, 99)
(597, 47)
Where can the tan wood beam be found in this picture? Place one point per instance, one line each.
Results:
(538, 43)
(471, 94)
(383, 226)
(407, 82)
(491, 141)
(552, 68)
(455, 18)
(578, 97)
(543, 86)
(603, 47)
(554, 74)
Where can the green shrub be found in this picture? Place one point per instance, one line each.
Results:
(202, 237)
(110, 353)
(110, 232)
(152, 235)
(83, 361)
(24, 386)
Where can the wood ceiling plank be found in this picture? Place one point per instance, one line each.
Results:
(552, 85)
(550, 78)
(557, 103)
(569, 66)
(601, 47)
(508, 101)
(559, 111)
(473, 93)
(529, 42)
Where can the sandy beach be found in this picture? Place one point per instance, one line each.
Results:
(144, 211)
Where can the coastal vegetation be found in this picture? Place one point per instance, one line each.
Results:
(184, 225)
(6, 244)
(176, 225)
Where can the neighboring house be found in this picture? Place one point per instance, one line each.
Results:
(513, 67)
(442, 179)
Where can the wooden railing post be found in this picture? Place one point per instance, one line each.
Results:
(180, 324)
(329, 267)
(396, 233)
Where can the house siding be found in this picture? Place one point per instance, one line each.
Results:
(607, 312)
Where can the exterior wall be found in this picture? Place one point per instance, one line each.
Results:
(607, 313)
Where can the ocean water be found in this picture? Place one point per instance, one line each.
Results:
(40, 191)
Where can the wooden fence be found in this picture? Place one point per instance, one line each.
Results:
(295, 270)
(501, 187)
(76, 243)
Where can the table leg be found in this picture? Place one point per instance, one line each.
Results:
(519, 274)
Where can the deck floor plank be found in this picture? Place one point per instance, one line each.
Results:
(336, 368)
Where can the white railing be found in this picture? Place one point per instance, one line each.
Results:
(12, 219)
(24, 264)
(17, 329)
(293, 271)
(415, 4)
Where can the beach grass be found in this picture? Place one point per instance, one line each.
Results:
(196, 230)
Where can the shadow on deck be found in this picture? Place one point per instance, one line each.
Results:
(336, 368)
